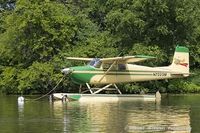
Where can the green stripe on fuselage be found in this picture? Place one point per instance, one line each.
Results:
(82, 78)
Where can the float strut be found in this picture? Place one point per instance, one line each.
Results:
(105, 87)
(117, 89)
(89, 88)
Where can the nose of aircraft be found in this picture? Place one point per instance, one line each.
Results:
(66, 70)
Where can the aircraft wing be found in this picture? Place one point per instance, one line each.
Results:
(124, 59)
(127, 59)
(79, 59)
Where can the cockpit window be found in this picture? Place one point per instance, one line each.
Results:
(95, 62)
(121, 67)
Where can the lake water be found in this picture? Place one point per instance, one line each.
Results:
(175, 113)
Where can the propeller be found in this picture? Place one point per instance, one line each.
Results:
(66, 71)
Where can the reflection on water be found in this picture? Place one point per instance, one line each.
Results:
(173, 114)
(59, 112)
(20, 112)
(122, 117)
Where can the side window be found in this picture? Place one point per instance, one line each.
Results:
(121, 67)
(97, 64)
(107, 66)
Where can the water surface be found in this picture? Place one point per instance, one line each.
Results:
(175, 113)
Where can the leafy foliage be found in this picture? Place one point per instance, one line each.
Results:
(36, 36)
(8, 80)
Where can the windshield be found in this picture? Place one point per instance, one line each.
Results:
(95, 62)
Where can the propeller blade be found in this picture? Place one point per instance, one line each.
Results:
(66, 71)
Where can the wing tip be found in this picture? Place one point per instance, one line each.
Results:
(145, 56)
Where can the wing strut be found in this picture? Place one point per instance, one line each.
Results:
(107, 71)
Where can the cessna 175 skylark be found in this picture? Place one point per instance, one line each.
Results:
(110, 71)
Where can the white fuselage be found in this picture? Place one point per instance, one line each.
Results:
(133, 73)
(118, 70)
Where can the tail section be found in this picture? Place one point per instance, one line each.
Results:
(181, 61)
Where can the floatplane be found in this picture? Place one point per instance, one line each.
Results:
(111, 71)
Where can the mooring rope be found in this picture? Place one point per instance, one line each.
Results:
(48, 92)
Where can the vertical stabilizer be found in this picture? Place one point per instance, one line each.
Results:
(181, 60)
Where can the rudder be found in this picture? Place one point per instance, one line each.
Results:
(181, 60)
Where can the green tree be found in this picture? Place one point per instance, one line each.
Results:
(36, 36)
